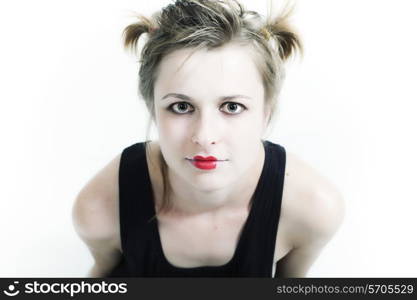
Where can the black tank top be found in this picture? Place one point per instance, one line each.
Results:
(141, 245)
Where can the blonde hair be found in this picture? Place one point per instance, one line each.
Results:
(210, 24)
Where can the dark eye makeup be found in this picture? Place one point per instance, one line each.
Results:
(183, 106)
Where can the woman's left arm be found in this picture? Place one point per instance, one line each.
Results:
(320, 218)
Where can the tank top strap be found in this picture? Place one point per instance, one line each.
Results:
(135, 211)
(259, 239)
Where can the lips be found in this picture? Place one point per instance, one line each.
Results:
(204, 163)
(202, 158)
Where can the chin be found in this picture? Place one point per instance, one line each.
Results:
(207, 184)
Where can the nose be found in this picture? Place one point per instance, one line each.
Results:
(205, 131)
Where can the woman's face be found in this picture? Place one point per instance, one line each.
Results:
(211, 104)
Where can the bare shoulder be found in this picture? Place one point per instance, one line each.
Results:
(95, 210)
(312, 211)
(312, 203)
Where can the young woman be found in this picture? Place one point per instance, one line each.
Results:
(210, 197)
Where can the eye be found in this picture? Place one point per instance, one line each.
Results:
(179, 107)
(182, 108)
(234, 108)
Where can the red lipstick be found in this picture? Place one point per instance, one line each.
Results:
(205, 163)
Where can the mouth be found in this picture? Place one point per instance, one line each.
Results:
(203, 159)
(204, 163)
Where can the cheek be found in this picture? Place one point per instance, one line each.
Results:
(171, 128)
(249, 128)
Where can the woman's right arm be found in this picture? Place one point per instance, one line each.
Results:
(95, 216)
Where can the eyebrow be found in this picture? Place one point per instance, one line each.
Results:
(185, 97)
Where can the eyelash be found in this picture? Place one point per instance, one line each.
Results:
(170, 108)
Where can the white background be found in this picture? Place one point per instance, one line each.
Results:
(69, 105)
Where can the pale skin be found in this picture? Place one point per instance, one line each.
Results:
(210, 207)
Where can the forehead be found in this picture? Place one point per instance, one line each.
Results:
(223, 70)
